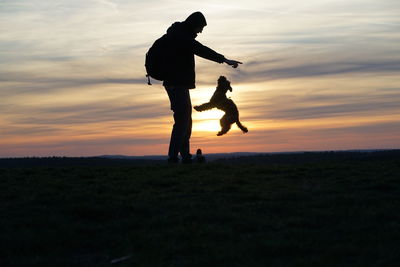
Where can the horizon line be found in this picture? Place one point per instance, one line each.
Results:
(222, 153)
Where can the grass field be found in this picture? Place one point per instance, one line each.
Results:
(313, 209)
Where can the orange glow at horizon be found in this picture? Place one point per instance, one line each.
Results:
(315, 76)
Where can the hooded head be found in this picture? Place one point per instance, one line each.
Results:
(196, 21)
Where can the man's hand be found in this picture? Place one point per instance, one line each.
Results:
(233, 63)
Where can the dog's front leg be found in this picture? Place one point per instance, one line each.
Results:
(203, 107)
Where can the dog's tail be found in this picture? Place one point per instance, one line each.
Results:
(243, 128)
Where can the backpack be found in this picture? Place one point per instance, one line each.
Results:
(155, 61)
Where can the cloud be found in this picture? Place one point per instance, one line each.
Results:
(365, 136)
(294, 107)
(326, 111)
(88, 113)
(33, 130)
(16, 83)
(257, 71)
(83, 147)
(372, 129)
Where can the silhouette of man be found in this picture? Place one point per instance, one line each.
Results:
(180, 77)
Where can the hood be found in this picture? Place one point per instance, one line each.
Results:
(196, 20)
(188, 26)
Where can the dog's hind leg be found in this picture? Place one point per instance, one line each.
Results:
(225, 124)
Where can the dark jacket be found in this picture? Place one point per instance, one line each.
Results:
(182, 47)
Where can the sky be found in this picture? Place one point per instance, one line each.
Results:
(317, 75)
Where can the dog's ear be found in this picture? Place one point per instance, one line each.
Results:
(227, 83)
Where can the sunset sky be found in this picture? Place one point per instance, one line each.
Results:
(317, 75)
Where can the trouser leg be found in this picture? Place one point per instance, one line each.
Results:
(180, 136)
(182, 129)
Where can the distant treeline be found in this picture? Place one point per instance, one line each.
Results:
(284, 158)
(71, 161)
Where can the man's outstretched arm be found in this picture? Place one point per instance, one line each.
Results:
(233, 63)
(207, 53)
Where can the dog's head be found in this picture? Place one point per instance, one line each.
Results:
(223, 83)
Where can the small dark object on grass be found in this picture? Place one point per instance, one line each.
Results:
(220, 101)
(199, 156)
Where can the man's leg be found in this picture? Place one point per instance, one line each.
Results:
(181, 131)
(185, 147)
